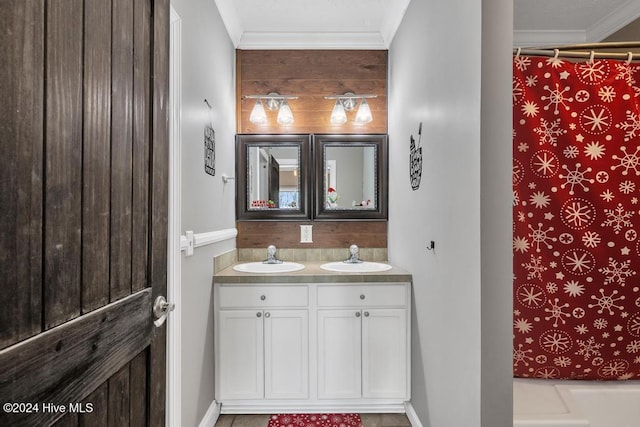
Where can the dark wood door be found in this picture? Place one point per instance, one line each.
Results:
(274, 181)
(83, 211)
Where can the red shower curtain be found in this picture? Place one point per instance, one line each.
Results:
(576, 219)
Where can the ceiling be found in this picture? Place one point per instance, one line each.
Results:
(371, 24)
(553, 22)
(308, 24)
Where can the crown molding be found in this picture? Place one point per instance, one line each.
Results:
(311, 40)
(604, 27)
(531, 38)
(614, 21)
(393, 21)
(231, 20)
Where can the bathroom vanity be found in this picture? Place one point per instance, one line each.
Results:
(312, 340)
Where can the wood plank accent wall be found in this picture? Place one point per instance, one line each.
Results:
(326, 234)
(311, 75)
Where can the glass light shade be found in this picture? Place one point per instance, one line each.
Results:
(338, 115)
(285, 116)
(258, 115)
(363, 115)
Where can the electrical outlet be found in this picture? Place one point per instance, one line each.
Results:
(306, 235)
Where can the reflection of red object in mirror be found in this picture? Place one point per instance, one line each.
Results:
(261, 204)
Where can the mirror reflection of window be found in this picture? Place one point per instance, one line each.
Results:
(273, 177)
(350, 177)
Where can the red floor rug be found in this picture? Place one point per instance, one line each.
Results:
(315, 420)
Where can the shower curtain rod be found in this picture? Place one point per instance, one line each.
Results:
(584, 50)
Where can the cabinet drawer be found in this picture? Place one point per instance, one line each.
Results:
(263, 296)
(362, 295)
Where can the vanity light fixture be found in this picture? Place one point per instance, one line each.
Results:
(258, 115)
(285, 116)
(272, 101)
(363, 116)
(338, 115)
(347, 102)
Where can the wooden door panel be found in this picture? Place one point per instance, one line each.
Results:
(141, 142)
(96, 155)
(83, 208)
(121, 147)
(118, 402)
(63, 161)
(138, 387)
(66, 363)
(21, 170)
(98, 417)
(159, 202)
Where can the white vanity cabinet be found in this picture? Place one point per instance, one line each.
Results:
(363, 338)
(262, 339)
(312, 346)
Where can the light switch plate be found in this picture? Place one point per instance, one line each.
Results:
(306, 234)
(190, 242)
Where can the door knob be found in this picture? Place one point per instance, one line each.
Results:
(357, 314)
(161, 309)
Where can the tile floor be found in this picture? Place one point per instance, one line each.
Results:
(368, 420)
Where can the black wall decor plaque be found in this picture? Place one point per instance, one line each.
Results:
(415, 160)
(209, 150)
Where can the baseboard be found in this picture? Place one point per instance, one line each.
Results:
(260, 407)
(411, 414)
(211, 416)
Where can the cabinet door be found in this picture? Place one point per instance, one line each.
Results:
(384, 353)
(286, 354)
(240, 347)
(339, 354)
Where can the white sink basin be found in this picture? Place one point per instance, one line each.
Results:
(363, 267)
(260, 267)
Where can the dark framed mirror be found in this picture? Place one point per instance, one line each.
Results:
(350, 177)
(273, 177)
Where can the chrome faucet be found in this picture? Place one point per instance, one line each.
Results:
(271, 256)
(354, 255)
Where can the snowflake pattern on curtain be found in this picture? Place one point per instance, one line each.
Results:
(576, 211)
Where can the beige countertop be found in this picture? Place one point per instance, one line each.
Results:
(312, 273)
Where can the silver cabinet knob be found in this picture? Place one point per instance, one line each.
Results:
(259, 314)
(267, 314)
(366, 314)
(263, 297)
(357, 314)
(362, 296)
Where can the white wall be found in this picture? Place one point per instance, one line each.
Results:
(496, 214)
(208, 61)
(435, 77)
